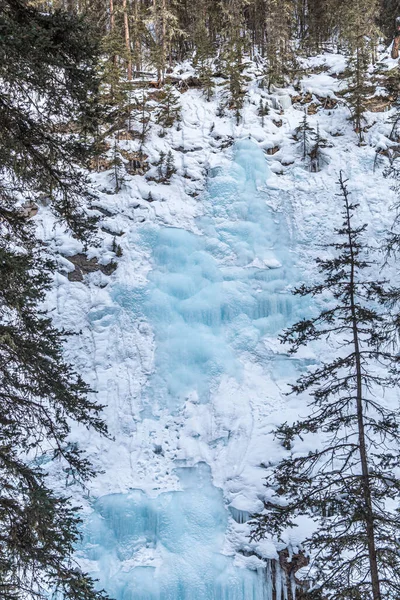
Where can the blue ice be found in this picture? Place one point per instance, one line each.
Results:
(213, 296)
(184, 534)
(210, 299)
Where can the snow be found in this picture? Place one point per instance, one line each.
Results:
(180, 342)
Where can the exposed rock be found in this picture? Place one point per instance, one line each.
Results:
(103, 211)
(28, 210)
(273, 150)
(290, 565)
(124, 136)
(327, 103)
(100, 164)
(112, 232)
(302, 99)
(83, 266)
(312, 108)
(379, 103)
(137, 162)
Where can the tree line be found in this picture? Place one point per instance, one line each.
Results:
(161, 33)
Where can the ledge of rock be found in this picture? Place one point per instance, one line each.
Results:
(83, 266)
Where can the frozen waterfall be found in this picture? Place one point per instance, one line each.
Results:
(209, 299)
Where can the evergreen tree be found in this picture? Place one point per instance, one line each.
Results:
(204, 49)
(140, 34)
(141, 115)
(358, 90)
(168, 107)
(114, 93)
(170, 168)
(279, 20)
(347, 483)
(360, 34)
(205, 73)
(233, 58)
(316, 151)
(41, 112)
(305, 134)
(160, 164)
(118, 167)
(116, 248)
(165, 167)
(263, 110)
(48, 87)
(167, 30)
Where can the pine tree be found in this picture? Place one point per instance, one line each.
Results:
(47, 73)
(170, 168)
(114, 92)
(165, 167)
(117, 167)
(127, 36)
(49, 134)
(345, 480)
(116, 248)
(168, 110)
(204, 48)
(316, 151)
(233, 58)
(166, 27)
(279, 21)
(263, 110)
(141, 115)
(305, 134)
(205, 73)
(139, 33)
(161, 165)
(358, 90)
(360, 33)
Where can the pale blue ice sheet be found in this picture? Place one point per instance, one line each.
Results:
(209, 299)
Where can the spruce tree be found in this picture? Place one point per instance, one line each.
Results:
(205, 73)
(170, 168)
(204, 48)
(358, 90)
(41, 112)
(118, 167)
(168, 110)
(166, 31)
(305, 134)
(47, 105)
(345, 477)
(263, 110)
(233, 57)
(316, 152)
(360, 34)
(279, 26)
(141, 114)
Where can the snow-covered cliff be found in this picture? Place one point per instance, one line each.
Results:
(181, 341)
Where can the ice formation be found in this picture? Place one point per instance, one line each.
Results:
(210, 299)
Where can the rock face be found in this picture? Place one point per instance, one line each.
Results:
(28, 210)
(83, 266)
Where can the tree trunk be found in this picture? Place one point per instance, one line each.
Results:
(112, 16)
(127, 41)
(163, 38)
(138, 54)
(369, 517)
(112, 28)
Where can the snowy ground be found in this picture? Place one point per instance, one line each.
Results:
(181, 341)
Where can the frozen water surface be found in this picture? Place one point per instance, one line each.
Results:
(209, 299)
(179, 534)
